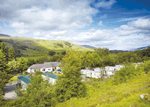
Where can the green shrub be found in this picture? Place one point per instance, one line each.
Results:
(17, 90)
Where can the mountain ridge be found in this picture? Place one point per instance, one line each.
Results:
(144, 47)
(88, 46)
(4, 35)
(37, 47)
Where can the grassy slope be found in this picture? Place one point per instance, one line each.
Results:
(35, 47)
(106, 95)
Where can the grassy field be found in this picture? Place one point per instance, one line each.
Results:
(37, 47)
(104, 94)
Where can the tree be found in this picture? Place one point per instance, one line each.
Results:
(3, 62)
(89, 61)
(40, 92)
(132, 59)
(102, 74)
(109, 60)
(102, 51)
(97, 61)
(4, 50)
(30, 62)
(42, 59)
(51, 52)
(56, 58)
(11, 54)
(69, 84)
(14, 66)
(23, 64)
(4, 77)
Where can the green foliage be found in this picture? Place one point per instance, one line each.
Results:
(128, 72)
(68, 44)
(28, 47)
(123, 89)
(4, 77)
(3, 48)
(11, 54)
(39, 94)
(146, 66)
(42, 59)
(102, 51)
(51, 52)
(3, 62)
(17, 90)
(69, 84)
(55, 58)
(105, 94)
(59, 44)
(14, 67)
(23, 64)
(91, 60)
(143, 52)
(109, 60)
(30, 62)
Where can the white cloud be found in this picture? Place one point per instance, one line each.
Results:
(100, 23)
(105, 4)
(64, 20)
(73, 16)
(141, 23)
(131, 19)
(124, 37)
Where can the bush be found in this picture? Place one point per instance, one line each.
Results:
(17, 90)
(128, 72)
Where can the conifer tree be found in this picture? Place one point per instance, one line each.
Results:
(23, 64)
(69, 84)
(4, 77)
(4, 50)
(11, 54)
(39, 93)
(13, 66)
(3, 62)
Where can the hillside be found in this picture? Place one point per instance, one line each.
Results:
(4, 35)
(36, 47)
(105, 94)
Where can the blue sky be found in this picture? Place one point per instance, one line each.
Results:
(113, 24)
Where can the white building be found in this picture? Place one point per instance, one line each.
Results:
(136, 64)
(50, 77)
(91, 74)
(96, 74)
(23, 81)
(110, 70)
(46, 67)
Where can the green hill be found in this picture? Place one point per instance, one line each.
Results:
(37, 47)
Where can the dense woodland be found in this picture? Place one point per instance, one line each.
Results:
(69, 87)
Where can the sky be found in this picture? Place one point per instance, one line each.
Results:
(113, 24)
